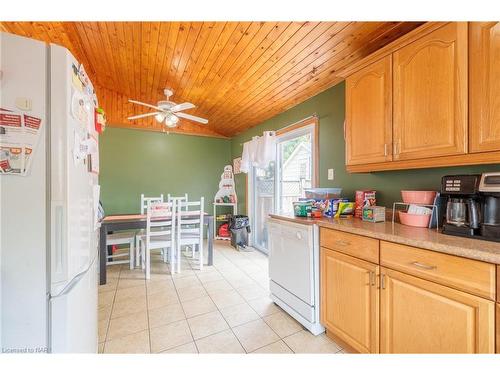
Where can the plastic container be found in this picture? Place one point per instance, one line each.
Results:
(414, 220)
(323, 193)
(418, 196)
(302, 208)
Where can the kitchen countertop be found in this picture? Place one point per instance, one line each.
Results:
(424, 238)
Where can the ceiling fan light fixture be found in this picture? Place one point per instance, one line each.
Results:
(171, 120)
(160, 117)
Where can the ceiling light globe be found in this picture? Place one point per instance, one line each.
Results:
(171, 120)
(160, 117)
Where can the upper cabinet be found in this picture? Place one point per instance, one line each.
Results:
(369, 114)
(430, 95)
(484, 91)
(429, 99)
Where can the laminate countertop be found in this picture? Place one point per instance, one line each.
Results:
(423, 238)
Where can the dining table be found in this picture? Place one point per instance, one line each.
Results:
(113, 223)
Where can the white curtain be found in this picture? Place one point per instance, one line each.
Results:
(258, 152)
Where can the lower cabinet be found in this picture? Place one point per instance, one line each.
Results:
(447, 308)
(419, 316)
(350, 300)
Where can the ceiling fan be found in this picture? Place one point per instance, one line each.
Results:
(168, 111)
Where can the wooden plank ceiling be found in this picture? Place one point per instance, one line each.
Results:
(237, 73)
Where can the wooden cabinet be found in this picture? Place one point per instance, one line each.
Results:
(484, 90)
(416, 301)
(350, 300)
(471, 276)
(430, 95)
(419, 316)
(351, 244)
(444, 90)
(368, 129)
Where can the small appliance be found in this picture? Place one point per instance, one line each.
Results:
(489, 187)
(463, 204)
(472, 205)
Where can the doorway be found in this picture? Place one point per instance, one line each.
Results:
(275, 188)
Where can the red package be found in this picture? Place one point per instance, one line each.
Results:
(224, 230)
(364, 198)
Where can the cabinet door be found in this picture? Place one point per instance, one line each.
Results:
(430, 95)
(484, 92)
(369, 114)
(350, 300)
(419, 316)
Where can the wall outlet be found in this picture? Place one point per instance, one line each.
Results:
(331, 174)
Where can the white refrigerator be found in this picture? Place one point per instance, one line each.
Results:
(48, 235)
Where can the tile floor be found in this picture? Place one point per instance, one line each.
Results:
(223, 309)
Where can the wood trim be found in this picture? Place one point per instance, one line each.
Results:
(390, 48)
(314, 120)
(443, 161)
(498, 328)
(169, 131)
(498, 283)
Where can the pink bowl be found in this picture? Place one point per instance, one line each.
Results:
(418, 196)
(414, 220)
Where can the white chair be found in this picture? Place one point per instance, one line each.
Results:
(159, 235)
(121, 238)
(184, 198)
(190, 228)
(145, 201)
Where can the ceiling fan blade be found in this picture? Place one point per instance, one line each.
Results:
(143, 115)
(191, 117)
(182, 107)
(145, 104)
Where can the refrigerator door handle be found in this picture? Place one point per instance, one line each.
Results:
(59, 240)
(69, 287)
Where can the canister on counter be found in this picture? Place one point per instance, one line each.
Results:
(364, 198)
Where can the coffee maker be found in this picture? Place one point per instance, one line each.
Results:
(463, 205)
(489, 188)
(472, 205)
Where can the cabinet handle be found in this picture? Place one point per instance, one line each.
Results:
(385, 149)
(372, 278)
(423, 266)
(342, 243)
(382, 281)
(397, 147)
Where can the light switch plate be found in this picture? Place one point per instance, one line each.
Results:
(331, 174)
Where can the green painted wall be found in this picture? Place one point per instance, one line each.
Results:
(329, 106)
(134, 162)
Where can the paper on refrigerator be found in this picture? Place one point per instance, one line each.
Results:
(19, 135)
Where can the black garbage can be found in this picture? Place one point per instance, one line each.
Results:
(239, 226)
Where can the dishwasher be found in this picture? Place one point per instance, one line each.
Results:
(294, 271)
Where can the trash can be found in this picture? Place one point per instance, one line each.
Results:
(239, 226)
